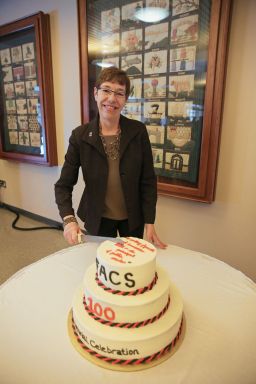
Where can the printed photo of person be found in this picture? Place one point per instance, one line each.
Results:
(16, 54)
(28, 51)
(131, 40)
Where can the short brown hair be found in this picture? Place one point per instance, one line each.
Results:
(114, 74)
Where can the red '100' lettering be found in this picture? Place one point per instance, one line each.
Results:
(96, 308)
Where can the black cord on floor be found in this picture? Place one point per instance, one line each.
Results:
(14, 226)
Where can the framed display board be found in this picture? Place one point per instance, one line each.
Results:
(174, 52)
(27, 119)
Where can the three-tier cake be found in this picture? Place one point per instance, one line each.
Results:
(127, 314)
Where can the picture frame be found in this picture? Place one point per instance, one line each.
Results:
(27, 117)
(177, 72)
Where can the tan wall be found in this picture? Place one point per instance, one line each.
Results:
(224, 229)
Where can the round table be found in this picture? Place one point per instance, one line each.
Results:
(219, 306)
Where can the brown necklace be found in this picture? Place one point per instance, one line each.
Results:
(111, 148)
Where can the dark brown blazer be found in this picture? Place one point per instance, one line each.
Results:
(136, 171)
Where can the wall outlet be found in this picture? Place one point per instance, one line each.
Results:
(2, 184)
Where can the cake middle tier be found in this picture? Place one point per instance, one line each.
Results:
(117, 308)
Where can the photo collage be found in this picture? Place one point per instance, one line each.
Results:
(20, 95)
(160, 59)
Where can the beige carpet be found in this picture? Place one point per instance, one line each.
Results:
(21, 248)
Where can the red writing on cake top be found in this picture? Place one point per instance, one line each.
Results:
(127, 249)
(118, 256)
(138, 244)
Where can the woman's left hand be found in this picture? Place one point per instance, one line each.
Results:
(151, 236)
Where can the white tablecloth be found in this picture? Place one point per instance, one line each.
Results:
(219, 304)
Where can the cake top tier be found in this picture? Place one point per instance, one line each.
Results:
(127, 263)
(126, 251)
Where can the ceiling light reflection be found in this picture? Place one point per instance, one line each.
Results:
(102, 64)
(151, 14)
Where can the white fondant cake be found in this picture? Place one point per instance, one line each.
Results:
(127, 311)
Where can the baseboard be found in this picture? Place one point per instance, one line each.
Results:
(33, 216)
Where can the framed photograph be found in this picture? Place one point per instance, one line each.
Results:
(27, 119)
(176, 63)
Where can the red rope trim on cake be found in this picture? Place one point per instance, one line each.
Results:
(126, 325)
(126, 293)
(143, 360)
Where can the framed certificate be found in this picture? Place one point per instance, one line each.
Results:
(174, 53)
(27, 121)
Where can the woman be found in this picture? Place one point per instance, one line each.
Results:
(115, 156)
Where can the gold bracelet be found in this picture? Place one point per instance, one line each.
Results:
(68, 220)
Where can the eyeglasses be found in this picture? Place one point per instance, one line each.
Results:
(108, 92)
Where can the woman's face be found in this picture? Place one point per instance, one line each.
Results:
(110, 104)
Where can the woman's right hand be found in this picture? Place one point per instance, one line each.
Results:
(72, 233)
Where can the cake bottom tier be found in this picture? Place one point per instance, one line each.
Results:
(119, 364)
(127, 346)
